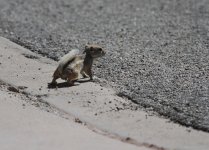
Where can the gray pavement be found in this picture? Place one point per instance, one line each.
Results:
(157, 49)
(25, 76)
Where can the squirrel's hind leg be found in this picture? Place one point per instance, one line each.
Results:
(56, 76)
(70, 82)
(72, 77)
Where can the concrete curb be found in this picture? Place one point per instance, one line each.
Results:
(96, 106)
(24, 127)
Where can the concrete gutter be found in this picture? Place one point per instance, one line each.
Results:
(98, 107)
(25, 127)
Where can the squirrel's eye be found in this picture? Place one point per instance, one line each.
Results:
(91, 48)
(100, 49)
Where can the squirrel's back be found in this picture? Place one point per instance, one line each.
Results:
(67, 58)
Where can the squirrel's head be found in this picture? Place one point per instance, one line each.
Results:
(94, 50)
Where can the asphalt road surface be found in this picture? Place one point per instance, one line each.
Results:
(157, 50)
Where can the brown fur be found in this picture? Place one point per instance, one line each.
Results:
(79, 65)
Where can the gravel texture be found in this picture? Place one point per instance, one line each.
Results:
(157, 50)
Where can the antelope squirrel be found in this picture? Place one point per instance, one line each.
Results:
(74, 64)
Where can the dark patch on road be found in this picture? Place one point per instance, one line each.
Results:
(30, 56)
(13, 89)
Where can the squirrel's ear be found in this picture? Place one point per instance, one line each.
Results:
(87, 48)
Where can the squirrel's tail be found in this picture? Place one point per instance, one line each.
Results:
(66, 58)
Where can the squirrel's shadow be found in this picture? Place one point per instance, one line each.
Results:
(66, 84)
